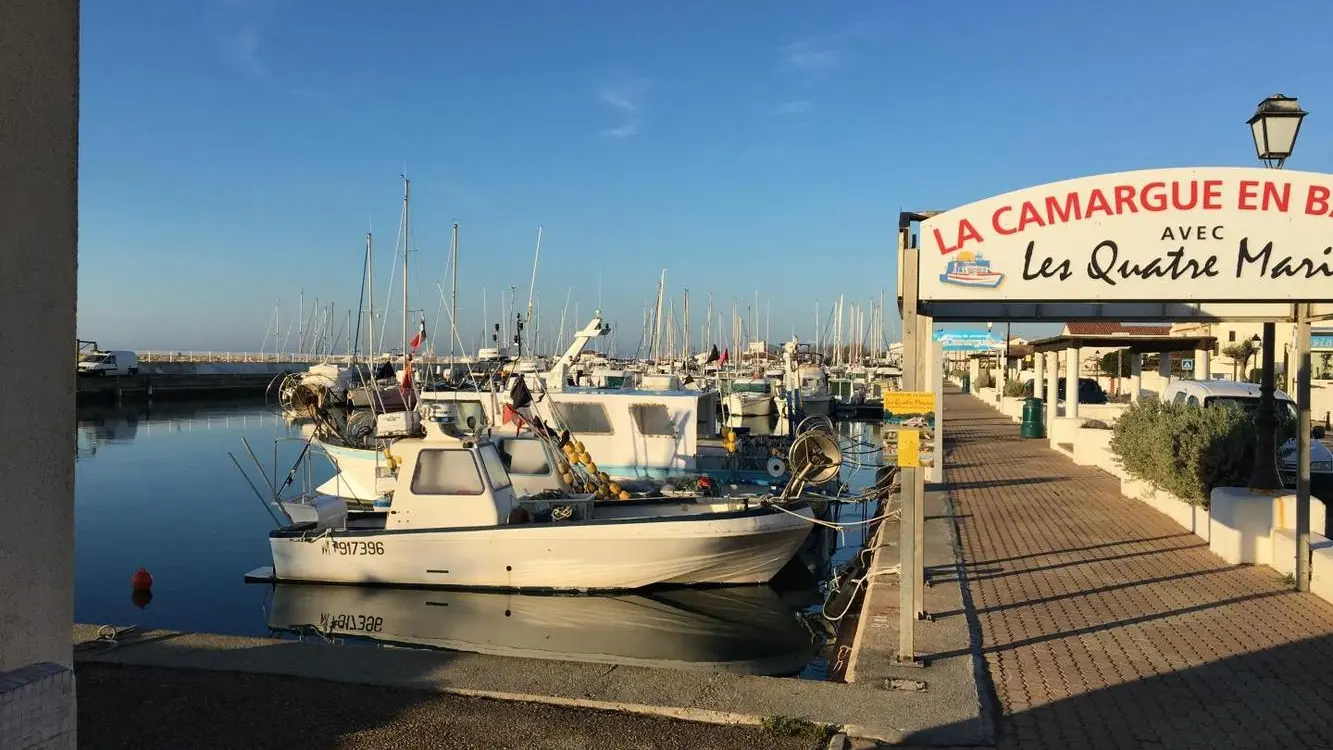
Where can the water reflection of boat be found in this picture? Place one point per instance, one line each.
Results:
(745, 630)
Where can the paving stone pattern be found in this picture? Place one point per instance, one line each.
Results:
(1105, 624)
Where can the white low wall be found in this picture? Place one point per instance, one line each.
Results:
(1259, 528)
(1106, 413)
(988, 395)
(1012, 407)
(1092, 447)
(1195, 519)
(1063, 430)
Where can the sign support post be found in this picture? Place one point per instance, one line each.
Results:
(1303, 428)
(908, 271)
(925, 350)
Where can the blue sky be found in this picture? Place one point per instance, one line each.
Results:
(235, 152)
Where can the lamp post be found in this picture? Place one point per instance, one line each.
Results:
(1274, 125)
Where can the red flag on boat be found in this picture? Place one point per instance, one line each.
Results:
(510, 415)
(420, 338)
(726, 355)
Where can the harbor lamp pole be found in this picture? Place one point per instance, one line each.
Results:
(1274, 126)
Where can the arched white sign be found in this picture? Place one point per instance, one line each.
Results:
(1207, 234)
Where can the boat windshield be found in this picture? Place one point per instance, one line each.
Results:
(744, 387)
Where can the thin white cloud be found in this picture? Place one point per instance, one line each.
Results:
(630, 128)
(625, 97)
(240, 30)
(622, 98)
(794, 107)
(814, 54)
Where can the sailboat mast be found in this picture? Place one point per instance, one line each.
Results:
(407, 242)
(532, 285)
(657, 319)
(370, 296)
(685, 325)
(453, 298)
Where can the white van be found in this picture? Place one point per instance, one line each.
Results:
(117, 362)
(1207, 393)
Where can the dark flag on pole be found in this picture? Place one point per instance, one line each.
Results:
(713, 355)
(519, 395)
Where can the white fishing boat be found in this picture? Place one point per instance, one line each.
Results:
(971, 270)
(451, 517)
(736, 629)
(748, 397)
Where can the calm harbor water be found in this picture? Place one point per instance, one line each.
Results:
(155, 488)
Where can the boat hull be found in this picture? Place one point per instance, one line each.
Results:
(739, 547)
(748, 404)
(986, 280)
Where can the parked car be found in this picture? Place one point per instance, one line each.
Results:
(1215, 393)
(1089, 391)
(118, 362)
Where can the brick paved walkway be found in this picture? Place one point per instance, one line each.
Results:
(1105, 624)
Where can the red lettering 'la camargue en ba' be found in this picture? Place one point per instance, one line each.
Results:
(1134, 235)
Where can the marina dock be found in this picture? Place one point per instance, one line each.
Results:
(181, 384)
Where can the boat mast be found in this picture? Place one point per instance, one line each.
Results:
(370, 296)
(406, 244)
(657, 318)
(532, 285)
(685, 325)
(453, 300)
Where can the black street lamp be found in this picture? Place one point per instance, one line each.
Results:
(1275, 124)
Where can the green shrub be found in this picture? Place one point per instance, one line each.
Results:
(1188, 450)
(1014, 388)
(984, 380)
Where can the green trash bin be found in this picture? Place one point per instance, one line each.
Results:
(1033, 419)
(967, 382)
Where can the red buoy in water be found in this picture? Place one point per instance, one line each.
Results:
(142, 580)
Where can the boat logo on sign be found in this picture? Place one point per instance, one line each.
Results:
(971, 270)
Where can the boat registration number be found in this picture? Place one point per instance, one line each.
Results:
(351, 547)
(353, 623)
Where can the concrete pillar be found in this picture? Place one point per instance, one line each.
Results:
(1071, 382)
(39, 75)
(1135, 376)
(1038, 373)
(1203, 366)
(1164, 370)
(1052, 388)
(974, 372)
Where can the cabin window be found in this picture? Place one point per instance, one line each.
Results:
(525, 457)
(653, 420)
(495, 468)
(1179, 399)
(446, 472)
(588, 418)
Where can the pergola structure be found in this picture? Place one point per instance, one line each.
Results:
(1200, 347)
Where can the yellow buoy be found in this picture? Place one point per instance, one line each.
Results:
(578, 446)
(623, 495)
(592, 467)
(615, 488)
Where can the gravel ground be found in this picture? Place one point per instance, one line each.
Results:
(145, 708)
